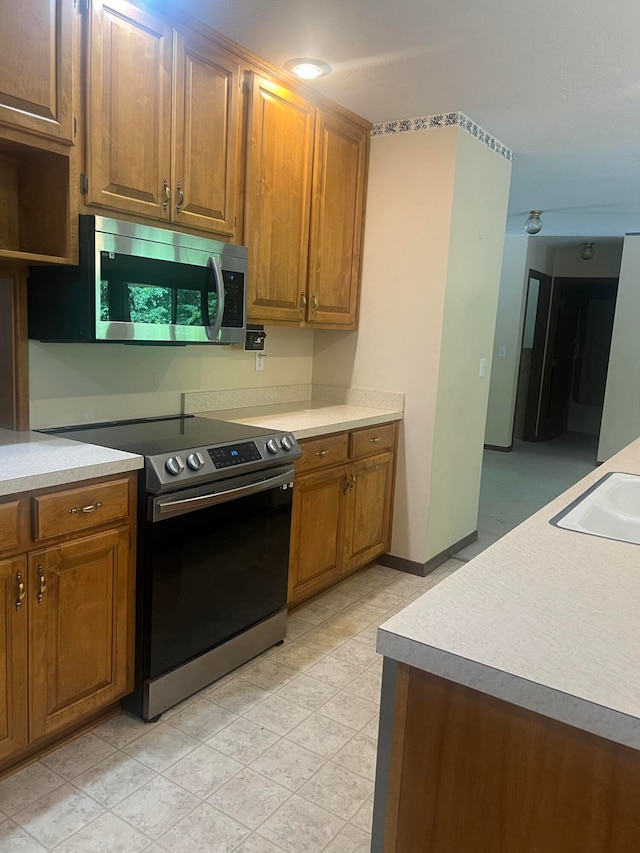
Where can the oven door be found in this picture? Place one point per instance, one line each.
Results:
(215, 563)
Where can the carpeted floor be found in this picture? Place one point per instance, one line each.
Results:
(517, 484)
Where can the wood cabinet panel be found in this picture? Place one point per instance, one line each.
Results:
(316, 532)
(78, 638)
(129, 109)
(368, 510)
(9, 525)
(205, 135)
(13, 657)
(277, 202)
(339, 176)
(76, 510)
(36, 55)
(322, 452)
(372, 440)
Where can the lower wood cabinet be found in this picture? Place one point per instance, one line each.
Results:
(342, 507)
(67, 610)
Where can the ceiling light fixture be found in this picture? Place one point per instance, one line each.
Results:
(307, 68)
(533, 223)
(587, 252)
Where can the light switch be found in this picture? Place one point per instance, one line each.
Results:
(483, 367)
(502, 352)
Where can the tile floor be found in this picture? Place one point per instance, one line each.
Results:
(278, 757)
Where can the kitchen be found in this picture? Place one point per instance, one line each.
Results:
(303, 364)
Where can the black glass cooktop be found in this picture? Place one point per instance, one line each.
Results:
(150, 436)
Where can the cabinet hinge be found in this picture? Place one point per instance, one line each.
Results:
(84, 184)
(75, 126)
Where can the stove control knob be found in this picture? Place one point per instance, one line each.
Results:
(174, 465)
(272, 445)
(195, 461)
(286, 442)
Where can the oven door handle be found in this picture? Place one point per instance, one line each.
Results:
(170, 507)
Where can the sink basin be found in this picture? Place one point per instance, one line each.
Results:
(610, 508)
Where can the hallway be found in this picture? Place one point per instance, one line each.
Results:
(517, 484)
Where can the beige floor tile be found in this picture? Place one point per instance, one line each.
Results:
(122, 729)
(296, 626)
(356, 654)
(346, 624)
(321, 735)
(257, 844)
(298, 655)
(366, 685)
(335, 672)
(336, 599)
(161, 747)
(371, 729)
(336, 789)
(203, 770)
(324, 640)
(236, 695)
(249, 798)
(314, 613)
(267, 674)
(202, 719)
(78, 755)
(13, 839)
(350, 840)
(308, 692)
(26, 786)
(367, 635)
(288, 764)
(277, 714)
(114, 779)
(350, 710)
(359, 755)
(156, 807)
(205, 829)
(299, 826)
(363, 818)
(107, 834)
(243, 741)
(58, 815)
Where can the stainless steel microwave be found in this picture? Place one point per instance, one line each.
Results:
(138, 284)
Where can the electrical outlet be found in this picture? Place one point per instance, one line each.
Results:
(502, 352)
(259, 361)
(483, 367)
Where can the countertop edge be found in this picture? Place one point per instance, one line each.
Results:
(72, 474)
(564, 708)
(341, 426)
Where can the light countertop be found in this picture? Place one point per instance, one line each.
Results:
(31, 460)
(546, 618)
(308, 418)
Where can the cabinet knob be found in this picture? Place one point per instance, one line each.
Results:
(21, 591)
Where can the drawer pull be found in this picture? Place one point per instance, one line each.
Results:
(86, 509)
(21, 590)
(374, 440)
(353, 482)
(322, 452)
(43, 584)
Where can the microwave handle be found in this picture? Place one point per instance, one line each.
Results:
(214, 328)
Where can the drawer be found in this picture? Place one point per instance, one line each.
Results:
(75, 510)
(372, 440)
(9, 525)
(322, 452)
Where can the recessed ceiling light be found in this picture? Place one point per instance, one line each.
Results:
(307, 68)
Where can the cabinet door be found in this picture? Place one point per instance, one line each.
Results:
(78, 626)
(36, 54)
(129, 109)
(13, 656)
(316, 532)
(277, 200)
(206, 136)
(339, 176)
(368, 510)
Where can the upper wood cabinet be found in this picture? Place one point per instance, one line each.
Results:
(304, 209)
(36, 67)
(277, 199)
(164, 117)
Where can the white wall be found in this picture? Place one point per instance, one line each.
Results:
(605, 262)
(78, 383)
(621, 416)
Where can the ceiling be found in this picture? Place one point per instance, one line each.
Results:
(557, 81)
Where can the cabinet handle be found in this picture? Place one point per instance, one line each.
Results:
(21, 590)
(314, 302)
(43, 583)
(303, 301)
(180, 197)
(345, 485)
(374, 440)
(167, 194)
(322, 452)
(86, 509)
(353, 482)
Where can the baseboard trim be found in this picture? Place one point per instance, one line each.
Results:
(412, 567)
(499, 448)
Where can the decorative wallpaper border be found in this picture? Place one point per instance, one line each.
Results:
(436, 122)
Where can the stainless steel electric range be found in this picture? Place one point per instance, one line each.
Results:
(214, 525)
